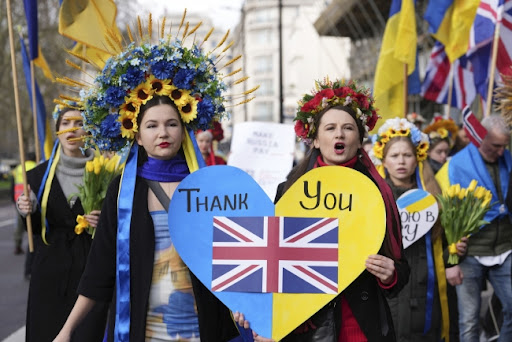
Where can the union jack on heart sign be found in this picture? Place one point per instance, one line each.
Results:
(275, 254)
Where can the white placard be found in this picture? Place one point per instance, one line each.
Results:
(265, 151)
(418, 213)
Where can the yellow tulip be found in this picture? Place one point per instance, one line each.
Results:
(456, 190)
(479, 192)
(462, 194)
(97, 166)
(110, 165)
(89, 166)
(450, 191)
(102, 160)
(488, 196)
(472, 185)
(82, 224)
(485, 203)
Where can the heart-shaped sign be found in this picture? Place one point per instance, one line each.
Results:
(418, 213)
(219, 192)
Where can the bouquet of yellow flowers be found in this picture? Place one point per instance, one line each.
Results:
(462, 212)
(99, 172)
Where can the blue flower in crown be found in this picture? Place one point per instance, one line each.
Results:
(187, 75)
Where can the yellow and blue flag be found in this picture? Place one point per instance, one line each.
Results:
(36, 54)
(450, 23)
(44, 133)
(399, 46)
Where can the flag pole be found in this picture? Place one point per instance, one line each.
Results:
(450, 92)
(494, 57)
(18, 122)
(406, 93)
(34, 111)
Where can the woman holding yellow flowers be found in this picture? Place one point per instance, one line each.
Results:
(420, 311)
(60, 254)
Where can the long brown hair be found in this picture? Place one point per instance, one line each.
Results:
(431, 185)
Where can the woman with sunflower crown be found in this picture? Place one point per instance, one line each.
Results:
(420, 311)
(441, 134)
(335, 119)
(60, 254)
(150, 98)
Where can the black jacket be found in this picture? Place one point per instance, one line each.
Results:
(99, 279)
(57, 268)
(365, 298)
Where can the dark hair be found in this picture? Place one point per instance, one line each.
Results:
(434, 142)
(311, 156)
(61, 114)
(155, 101)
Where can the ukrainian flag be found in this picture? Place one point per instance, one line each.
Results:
(398, 49)
(450, 22)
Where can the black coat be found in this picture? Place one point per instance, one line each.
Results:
(365, 298)
(99, 279)
(57, 268)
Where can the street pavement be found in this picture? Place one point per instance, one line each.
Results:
(13, 286)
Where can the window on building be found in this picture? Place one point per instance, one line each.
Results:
(263, 64)
(262, 37)
(264, 111)
(266, 87)
(265, 15)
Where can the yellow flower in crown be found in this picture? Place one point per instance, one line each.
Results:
(441, 128)
(400, 127)
(160, 87)
(142, 93)
(128, 125)
(188, 109)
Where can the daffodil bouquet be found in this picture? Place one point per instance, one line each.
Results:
(462, 212)
(98, 174)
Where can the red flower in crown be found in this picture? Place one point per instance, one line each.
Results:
(301, 129)
(329, 94)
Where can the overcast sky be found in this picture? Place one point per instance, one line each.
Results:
(224, 13)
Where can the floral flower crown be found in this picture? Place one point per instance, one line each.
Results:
(440, 128)
(329, 94)
(400, 127)
(140, 71)
(61, 105)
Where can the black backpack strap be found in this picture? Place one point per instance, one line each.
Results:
(159, 193)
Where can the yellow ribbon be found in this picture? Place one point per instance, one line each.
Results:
(440, 274)
(190, 153)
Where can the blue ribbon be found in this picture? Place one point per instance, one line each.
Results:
(124, 214)
(45, 178)
(430, 270)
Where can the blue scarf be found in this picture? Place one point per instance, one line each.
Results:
(468, 164)
(173, 170)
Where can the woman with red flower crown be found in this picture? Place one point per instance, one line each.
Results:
(335, 119)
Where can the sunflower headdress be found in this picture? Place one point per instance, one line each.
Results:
(143, 69)
(400, 127)
(329, 94)
(442, 129)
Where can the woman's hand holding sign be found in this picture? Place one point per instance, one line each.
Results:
(382, 267)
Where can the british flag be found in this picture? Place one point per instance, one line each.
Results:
(436, 85)
(489, 15)
(275, 254)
